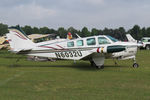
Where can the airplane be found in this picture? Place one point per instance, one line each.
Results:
(94, 48)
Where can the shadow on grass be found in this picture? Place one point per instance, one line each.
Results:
(79, 66)
(11, 57)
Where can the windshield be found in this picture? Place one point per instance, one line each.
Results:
(111, 38)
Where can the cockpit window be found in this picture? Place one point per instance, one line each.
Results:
(91, 41)
(103, 40)
(70, 44)
(113, 39)
(80, 43)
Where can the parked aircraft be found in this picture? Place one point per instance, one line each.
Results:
(3, 43)
(94, 48)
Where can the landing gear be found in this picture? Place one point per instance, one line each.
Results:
(135, 65)
(100, 67)
(94, 65)
(115, 62)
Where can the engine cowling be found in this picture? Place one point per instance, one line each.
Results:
(111, 49)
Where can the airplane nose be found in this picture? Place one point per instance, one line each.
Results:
(116, 48)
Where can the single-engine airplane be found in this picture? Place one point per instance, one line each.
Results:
(94, 48)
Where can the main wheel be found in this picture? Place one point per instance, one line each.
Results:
(100, 67)
(135, 65)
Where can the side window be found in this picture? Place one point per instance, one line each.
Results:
(70, 44)
(91, 41)
(103, 40)
(80, 43)
(149, 40)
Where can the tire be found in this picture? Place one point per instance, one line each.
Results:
(147, 47)
(100, 67)
(94, 65)
(135, 65)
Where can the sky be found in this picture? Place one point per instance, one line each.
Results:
(76, 13)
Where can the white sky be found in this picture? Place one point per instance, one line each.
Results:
(76, 13)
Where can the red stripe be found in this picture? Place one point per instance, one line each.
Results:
(60, 46)
(20, 35)
(49, 47)
(97, 50)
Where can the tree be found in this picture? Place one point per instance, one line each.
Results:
(148, 32)
(94, 32)
(85, 32)
(62, 32)
(27, 29)
(52, 31)
(143, 32)
(122, 33)
(106, 31)
(135, 32)
(35, 30)
(3, 29)
(44, 30)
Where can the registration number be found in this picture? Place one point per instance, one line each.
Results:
(68, 54)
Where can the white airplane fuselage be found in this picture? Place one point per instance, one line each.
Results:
(59, 49)
(94, 48)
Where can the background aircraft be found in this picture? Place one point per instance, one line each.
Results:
(95, 48)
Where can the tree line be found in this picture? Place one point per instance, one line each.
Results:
(136, 31)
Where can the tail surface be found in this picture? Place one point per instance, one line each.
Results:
(130, 38)
(18, 40)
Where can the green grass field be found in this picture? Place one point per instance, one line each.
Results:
(64, 80)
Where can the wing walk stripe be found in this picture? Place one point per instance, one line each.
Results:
(49, 47)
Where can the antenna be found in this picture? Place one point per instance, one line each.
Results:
(77, 35)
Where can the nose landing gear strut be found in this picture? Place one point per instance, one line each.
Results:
(135, 65)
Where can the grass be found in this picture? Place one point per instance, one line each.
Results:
(64, 80)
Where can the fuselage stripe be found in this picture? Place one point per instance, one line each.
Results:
(49, 47)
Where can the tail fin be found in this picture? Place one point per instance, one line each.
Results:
(130, 38)
(18, 40)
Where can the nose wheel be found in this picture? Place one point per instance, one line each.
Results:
(135, 65)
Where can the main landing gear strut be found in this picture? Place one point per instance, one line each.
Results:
(94, 65)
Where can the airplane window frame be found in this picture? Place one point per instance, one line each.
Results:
(91, 42)
(78, 43)
(71, 44)
(104, 42)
